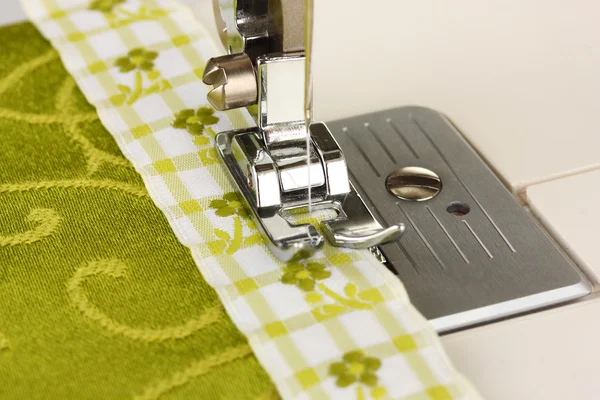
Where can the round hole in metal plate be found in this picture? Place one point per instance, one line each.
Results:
(458, 208)
(413, 184)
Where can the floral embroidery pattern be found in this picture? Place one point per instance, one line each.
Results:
(137, 59)
(105, 6)
(196, 122)
(230, 206)
(356, 367)
(304, 275)
(310, 276)
(120, 16)
(116, 268)
(142, 62)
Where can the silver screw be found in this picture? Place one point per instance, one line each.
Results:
(233, 80)
(413, 184)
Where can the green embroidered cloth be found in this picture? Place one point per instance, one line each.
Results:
(97, 297)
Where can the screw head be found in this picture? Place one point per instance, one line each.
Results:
(233, 79)
(413, 184)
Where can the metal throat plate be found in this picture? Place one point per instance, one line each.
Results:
(472, 253)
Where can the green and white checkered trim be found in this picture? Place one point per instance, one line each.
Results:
(338, 326)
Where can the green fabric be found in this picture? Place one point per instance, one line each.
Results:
(97, 297)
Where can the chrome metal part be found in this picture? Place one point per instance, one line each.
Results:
(243, 26)
(413, 183)
(334, 163)
(281, 121)
(256, 176)
(250, 30)
(233, 80)
(281, 99)
(357, 228)
(292, 166)
(284, 239)
(258, 27)
(258, 168)
(281, 165)
(378, 254)
(472, 253)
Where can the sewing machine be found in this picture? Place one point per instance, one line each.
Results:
(448, 201)
(516, 92)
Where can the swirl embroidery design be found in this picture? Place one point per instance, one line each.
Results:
(139, 63)
(48, 221)
(117, 269)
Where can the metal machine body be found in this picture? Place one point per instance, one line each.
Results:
(471, 253)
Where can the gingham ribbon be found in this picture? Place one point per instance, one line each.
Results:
(336, 326)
